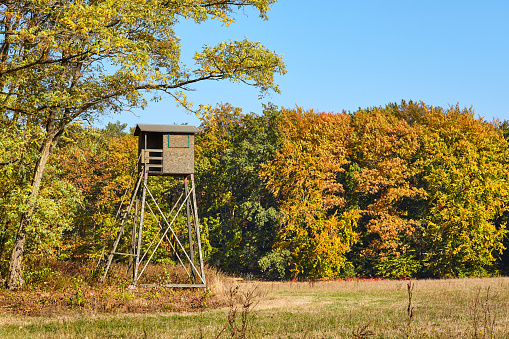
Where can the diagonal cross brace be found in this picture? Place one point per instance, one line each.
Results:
(169, 228)
(121, 229)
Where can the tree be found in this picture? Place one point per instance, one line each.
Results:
(504, 129)
(465, 165)
(315, 227)
(99, 163)
(432, 183)
(63, 61)
(384, 149)
(18, 154)
(241, 214)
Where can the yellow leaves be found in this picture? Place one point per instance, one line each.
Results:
(70, 23)
(77, 44)
(223, 17)
(464, 163)
(303, 176)
(241, 61)
(200, 10)
(319, 246)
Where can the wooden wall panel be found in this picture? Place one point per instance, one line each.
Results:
(179, 157)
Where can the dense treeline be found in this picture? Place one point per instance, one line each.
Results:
(405, 190)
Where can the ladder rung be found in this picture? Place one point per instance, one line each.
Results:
(174, 285)
(119, 253)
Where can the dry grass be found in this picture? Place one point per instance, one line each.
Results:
(68, 289)
(455, 308)
(439, 308)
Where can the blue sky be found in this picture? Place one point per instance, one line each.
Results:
(342, 55)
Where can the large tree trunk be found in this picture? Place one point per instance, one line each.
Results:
(15, 276)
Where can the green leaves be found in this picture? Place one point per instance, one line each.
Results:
(242, 215)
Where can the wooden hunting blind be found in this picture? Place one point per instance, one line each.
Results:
(163, 150)
(166, 149)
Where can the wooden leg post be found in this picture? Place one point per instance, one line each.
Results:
(121, 230)
(197, 227)
(189, 228)
(140, 229)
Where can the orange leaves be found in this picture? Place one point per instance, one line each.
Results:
(385, 147)
(98, 165)
(398, 191)
(314, 151)
(389, 229)
(303, 175)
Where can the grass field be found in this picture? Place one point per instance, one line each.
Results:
(456, 308)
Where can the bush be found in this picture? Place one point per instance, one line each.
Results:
(275, 265)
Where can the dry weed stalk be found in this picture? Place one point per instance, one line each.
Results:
(483, 315)
(248, 302)
(362, 332)
(410, 308)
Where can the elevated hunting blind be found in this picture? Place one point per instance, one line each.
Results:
(166, 149)
(163, 150)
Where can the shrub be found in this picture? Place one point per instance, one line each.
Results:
(275, 265)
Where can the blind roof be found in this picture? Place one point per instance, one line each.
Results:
(183, 129)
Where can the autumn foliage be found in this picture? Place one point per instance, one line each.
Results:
(406, 190)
